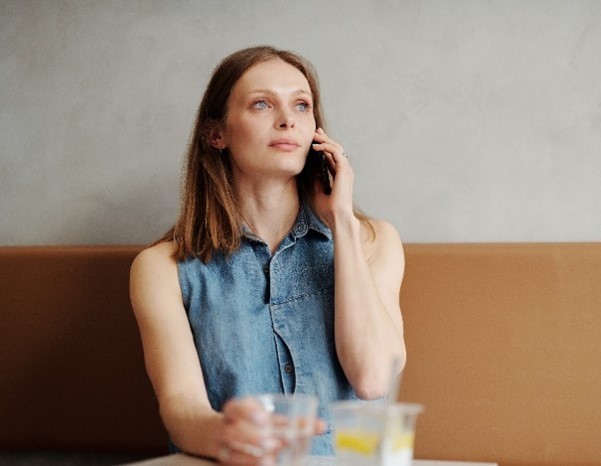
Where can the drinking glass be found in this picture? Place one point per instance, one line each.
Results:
(369, 434)
(292, 422)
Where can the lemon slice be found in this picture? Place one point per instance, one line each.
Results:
(365, 443)
(403, 440)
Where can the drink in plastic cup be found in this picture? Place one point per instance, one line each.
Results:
(292, 421)
(368, 434)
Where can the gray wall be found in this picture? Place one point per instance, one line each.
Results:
(465, 120)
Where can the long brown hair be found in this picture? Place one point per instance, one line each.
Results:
(209, 218)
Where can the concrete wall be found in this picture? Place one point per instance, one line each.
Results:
(465, 120)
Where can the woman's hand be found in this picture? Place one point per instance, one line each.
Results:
(245, 437)
(340, 201)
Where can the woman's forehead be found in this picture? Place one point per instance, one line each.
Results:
(274, 76)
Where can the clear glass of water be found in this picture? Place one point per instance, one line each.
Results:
(292, 422)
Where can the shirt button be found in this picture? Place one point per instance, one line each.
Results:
(288, 368)
(266, 268)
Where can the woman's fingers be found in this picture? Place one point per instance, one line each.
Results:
(245, 409)
(320, 427)
(233, 457)
(245, 438)
(329, 146)
(335, 156)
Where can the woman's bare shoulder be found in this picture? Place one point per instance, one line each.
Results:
(385, 228)
(383, 232)
(385, 242)
(158, 254)
(155, 264)
(154, 279)
(386, 258)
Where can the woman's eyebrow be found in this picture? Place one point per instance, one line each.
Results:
(270, 92)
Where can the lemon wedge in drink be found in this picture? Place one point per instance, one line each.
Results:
(364, 443)
(402, 440)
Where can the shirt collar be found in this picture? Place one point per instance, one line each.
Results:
(306, 220)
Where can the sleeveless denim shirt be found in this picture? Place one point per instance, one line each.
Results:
(265, 324)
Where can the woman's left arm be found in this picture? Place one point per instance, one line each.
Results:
(368, 276)
(368, 325)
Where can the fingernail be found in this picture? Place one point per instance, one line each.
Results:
(270, 444)
(259, 417)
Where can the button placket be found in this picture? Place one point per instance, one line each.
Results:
(267, 297)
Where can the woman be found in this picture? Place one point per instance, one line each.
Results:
(239, 297)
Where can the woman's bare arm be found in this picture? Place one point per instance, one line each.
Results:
(368, 275)
(369, 327)
(170, 355)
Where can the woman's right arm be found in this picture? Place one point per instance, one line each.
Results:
(170, 355)
(236, 436)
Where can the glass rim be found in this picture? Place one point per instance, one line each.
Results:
(402, 407)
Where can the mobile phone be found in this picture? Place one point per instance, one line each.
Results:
(319, 166)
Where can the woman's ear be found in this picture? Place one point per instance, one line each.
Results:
(216, 139)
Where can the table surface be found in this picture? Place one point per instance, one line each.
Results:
(180, 459)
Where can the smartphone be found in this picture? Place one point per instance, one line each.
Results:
(319, 167)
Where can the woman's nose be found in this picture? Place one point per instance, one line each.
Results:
(285, 120)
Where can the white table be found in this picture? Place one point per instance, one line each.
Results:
(181, 459)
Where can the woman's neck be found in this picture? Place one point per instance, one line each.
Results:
(270, 211)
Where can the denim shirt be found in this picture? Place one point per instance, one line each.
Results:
(264, 323)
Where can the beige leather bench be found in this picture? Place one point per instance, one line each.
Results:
(73, 375)
(503, 341)
(504, 346)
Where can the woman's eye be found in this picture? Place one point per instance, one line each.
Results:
(261, 105)
(303, 106)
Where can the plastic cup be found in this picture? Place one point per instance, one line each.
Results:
(368, 434)
(292, 422)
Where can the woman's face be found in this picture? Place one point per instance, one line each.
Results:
(270, 124)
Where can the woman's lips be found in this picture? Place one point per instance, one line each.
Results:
(285, 144)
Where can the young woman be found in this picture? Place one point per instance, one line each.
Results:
(265, 283)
